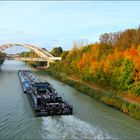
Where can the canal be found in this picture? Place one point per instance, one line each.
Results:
(91, 119)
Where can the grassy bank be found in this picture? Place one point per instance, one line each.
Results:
(105, 96)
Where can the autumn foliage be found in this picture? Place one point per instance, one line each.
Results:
(113, 62)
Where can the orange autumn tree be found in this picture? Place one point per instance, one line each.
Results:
(83, 65)
(88, 58)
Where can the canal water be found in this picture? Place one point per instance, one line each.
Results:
(91, 119)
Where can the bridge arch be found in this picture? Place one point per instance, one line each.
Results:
(39, 51)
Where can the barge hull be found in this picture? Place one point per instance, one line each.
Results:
(42, 96)
(23, 87)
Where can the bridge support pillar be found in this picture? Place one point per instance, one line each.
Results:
(48, 64)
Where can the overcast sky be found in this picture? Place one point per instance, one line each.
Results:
(49, 24)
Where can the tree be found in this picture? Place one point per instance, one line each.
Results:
(2, 57)
(64, 54)
(57, 51)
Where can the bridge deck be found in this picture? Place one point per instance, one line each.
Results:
(26, 59)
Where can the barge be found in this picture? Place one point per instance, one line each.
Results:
(43, 97)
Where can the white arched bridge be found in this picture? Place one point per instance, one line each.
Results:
(43, 54)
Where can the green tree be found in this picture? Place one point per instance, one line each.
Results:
(2, 57)
(126, 74)
(64, 54)
(57, 51)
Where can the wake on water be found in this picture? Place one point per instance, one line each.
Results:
(70, 127)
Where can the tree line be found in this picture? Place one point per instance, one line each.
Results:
(112, 62)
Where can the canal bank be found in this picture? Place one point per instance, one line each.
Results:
(105, 96)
